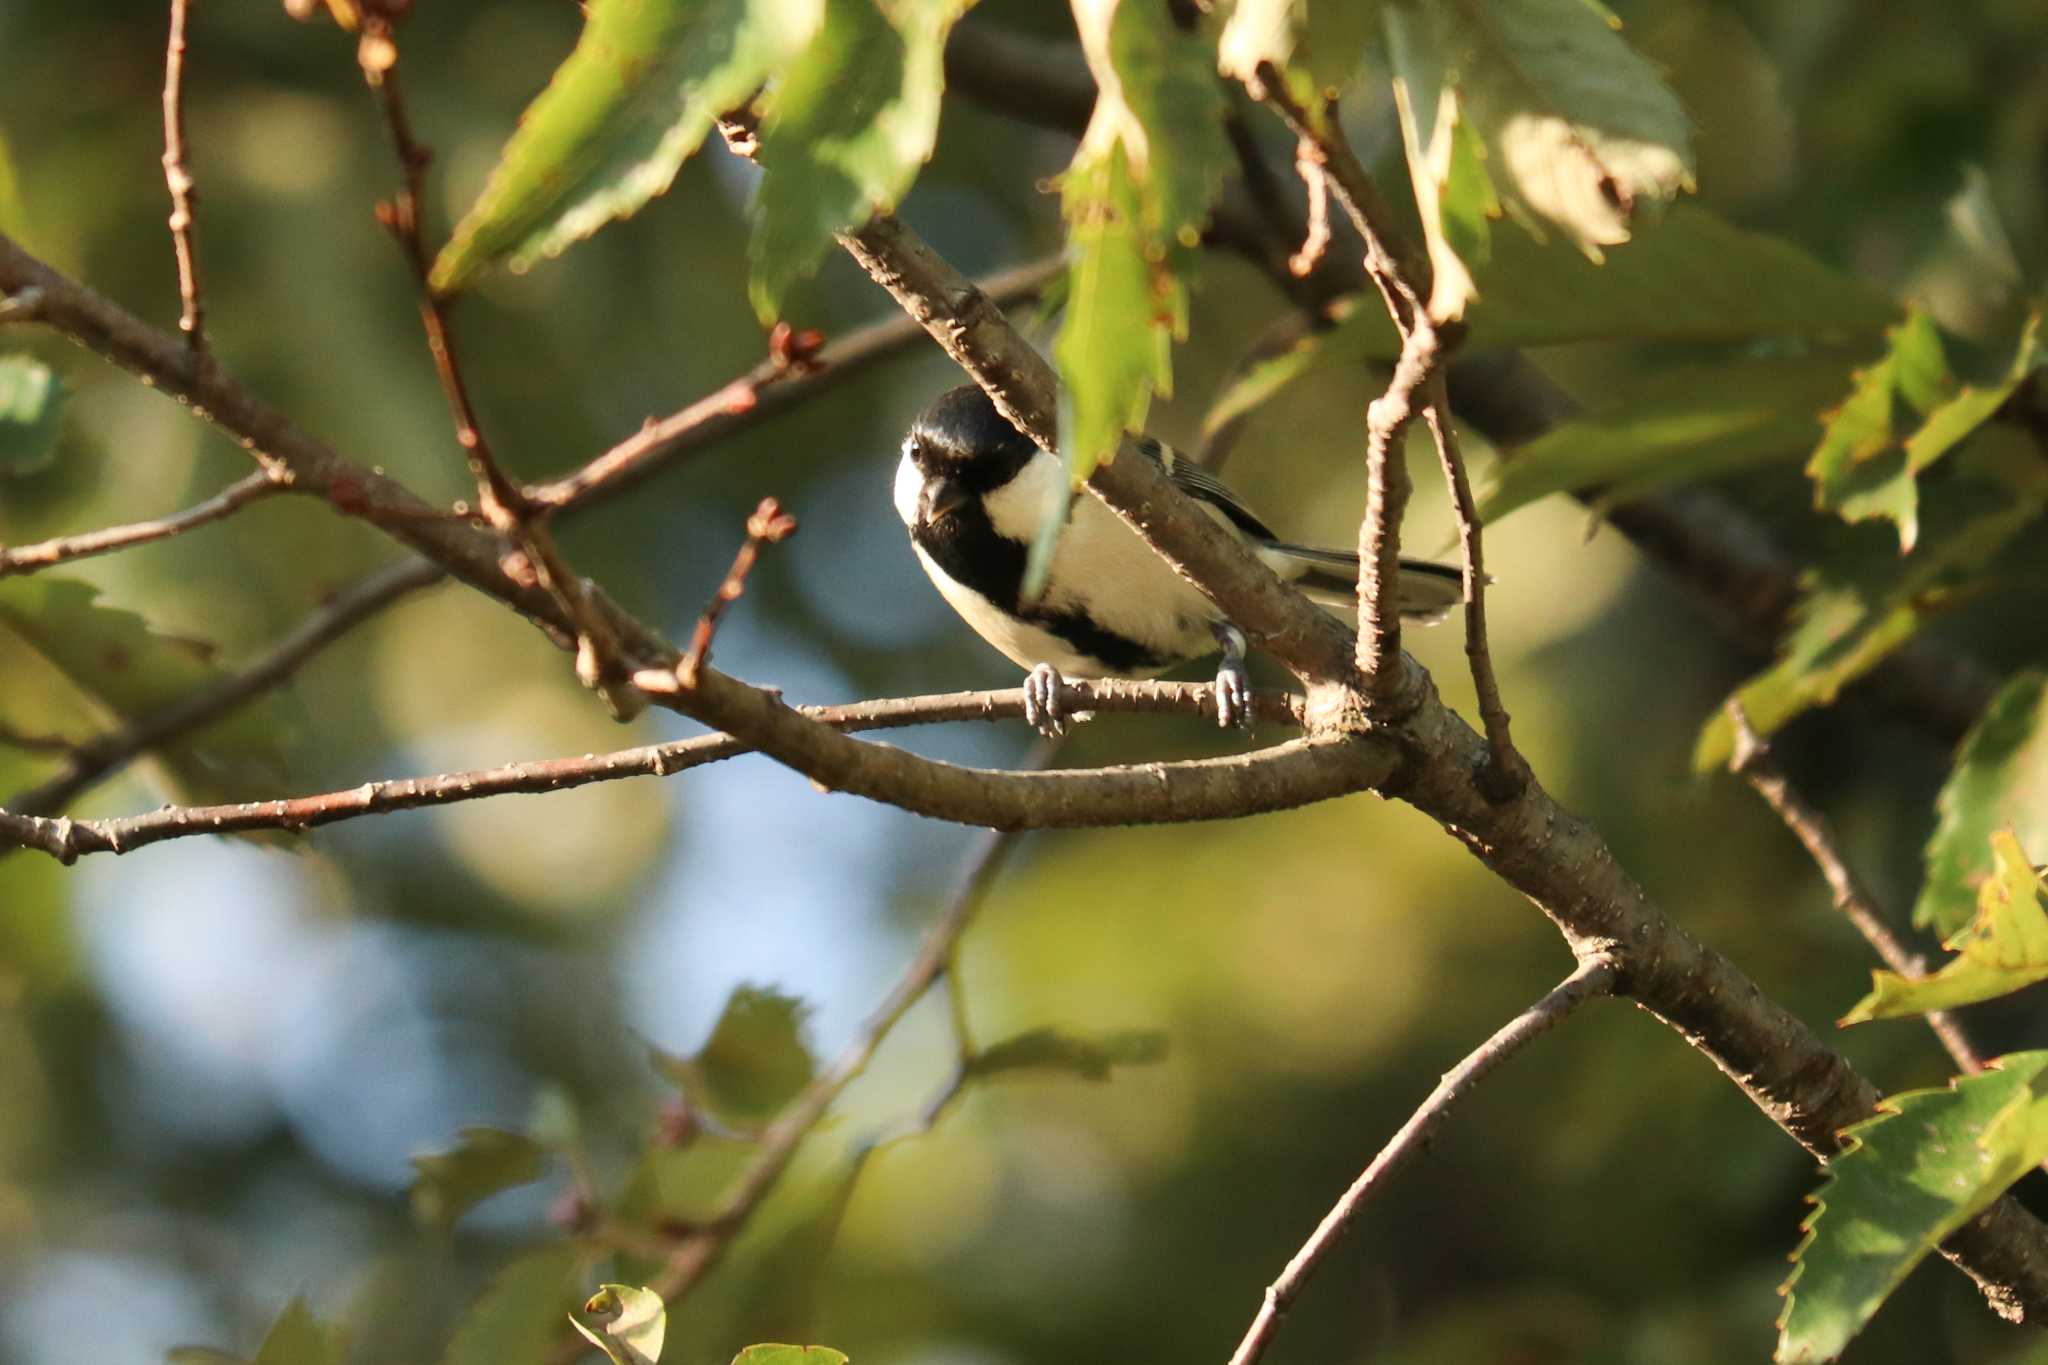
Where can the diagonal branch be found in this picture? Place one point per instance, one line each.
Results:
(1753, 763)
(42, 554)
(91, 762)
(67, 840)
(1594, 977)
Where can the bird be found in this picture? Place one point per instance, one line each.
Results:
(972, 490)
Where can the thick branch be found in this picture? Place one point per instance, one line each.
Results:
(41, 555)
(1593, 977)
(70, 839)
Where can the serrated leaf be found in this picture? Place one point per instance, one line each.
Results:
(482, 1162)
(1906, 1180)
(1691, 277)
(1579, 129)
(1678, 425)
(851, 123)
(636, 1323)
(621, 114)
(2003, 950)
(31, 413)
(130, 671)
(790, 1355)
(2000, 781)
(517, 1317)
(298, 1338)
(1134, 198)
(1075, 1054)
(755, 1062)
(1972, 407)
(1861, 604)
(1860, 470)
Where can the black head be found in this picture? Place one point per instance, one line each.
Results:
(961, 437)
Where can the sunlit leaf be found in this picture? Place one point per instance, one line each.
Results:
(1860, 468)
(2003, 950)
(2000, 781)
(755, 1062)
(129, 671)
(634, 99)
(1860, 605)
(790, 1355)
(1973, 406)
(519, 1314)
(1688, 423)
(483, 1162)
(1907, 1179)
(850, 124)
(1579, 129)
(1692, 276)
(1258, 31)
(298, 1338)
(1134, 197)
(31, 412)
(1452, 189)
(1075, 1054)
(636, 1322)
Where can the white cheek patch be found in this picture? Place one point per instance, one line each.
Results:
(909, 487)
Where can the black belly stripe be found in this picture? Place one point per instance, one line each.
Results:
(971, 553)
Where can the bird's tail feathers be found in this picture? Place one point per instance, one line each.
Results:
(1329, 578)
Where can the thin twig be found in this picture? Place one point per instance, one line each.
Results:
(1753, 763)
(777, 383)
(1308, 162)
(697, 1252)
(95, 759)
(33, 743)
(768, 525)
(184, 193)
(1595, 976)
(21, 826)
(1506, 771)
(237, 495)
(501, 501)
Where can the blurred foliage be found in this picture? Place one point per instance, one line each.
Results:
(218, 1059)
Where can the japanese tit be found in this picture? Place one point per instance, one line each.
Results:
(971, 489)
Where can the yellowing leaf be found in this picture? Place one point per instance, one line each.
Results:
(636, 1323)
(2005, 949)
(789, 1355)
(2000, 780)
(1928, 1162)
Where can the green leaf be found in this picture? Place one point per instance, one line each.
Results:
(1923, 1167)
(790, 1355)
(1678, 425)
(516, 1318)
(1691, 277)
(2003, 950)
(1453, 193)
(1951, 421)
(31, 412)
(1055, 1049)
(1579, 129)
(635, 98)
(637, 1322)
(482, 1162)
(1134, 198)
(129, 671)
(1860, 605)
(2000, 781)
(851, 123)
(298, 1338)
(202, 1355)
(755, 1062)
(1860, 469)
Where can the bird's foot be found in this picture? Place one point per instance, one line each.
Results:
(1042, 707)
(1233, 682)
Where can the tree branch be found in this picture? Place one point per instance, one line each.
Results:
(68, 840)
(90, 762)
(1753, 763)
(42, 554)
(1594, 976)
(184, 194)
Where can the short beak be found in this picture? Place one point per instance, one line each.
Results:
(942, 501)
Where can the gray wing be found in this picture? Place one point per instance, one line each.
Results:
(1204, 487)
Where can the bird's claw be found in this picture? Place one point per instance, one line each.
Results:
(1042, 710)
(1233, 695)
